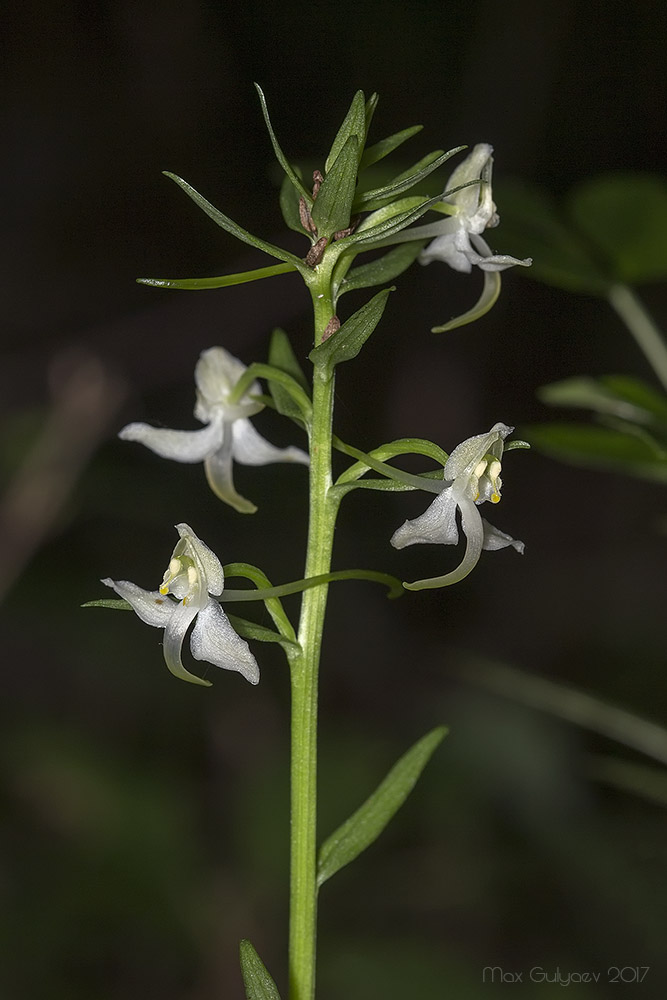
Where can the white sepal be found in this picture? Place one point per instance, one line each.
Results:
(250, 448)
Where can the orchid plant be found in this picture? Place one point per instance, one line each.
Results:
(341, 215)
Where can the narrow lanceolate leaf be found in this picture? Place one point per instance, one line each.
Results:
(373, 154)
(332, 207)
(106, 603)
(280, 156)
(384, 269)
(346, 343)
(354, 124)
(370, 200)
(293, 388)
(251, 630)
(368, 822)
(257, 981)
(289, 207)
(232, 227)
(222, 281)
(273, 604)
(283, 357)
(380, 232)
(403, 446)
(369, 110)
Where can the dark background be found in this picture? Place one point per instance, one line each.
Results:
(145, 821)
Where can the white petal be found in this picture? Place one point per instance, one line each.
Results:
(488, 261)
(486, 301)
(181, 446)
(151, 606)
(173, 644)
(215, 641)
(216, 374)
(207, 562)
(437, 524)
(471, 522)
(250, 448)
(220, 478)
(496, 539)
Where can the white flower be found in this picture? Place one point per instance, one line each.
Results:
(228, 435)
(193, 575)
(473, 474)
(459, 242)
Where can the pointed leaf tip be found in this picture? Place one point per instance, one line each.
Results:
(257, 981)
(368, 822)
(348, 340)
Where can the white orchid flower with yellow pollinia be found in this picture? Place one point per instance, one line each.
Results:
(458, 238)
(228, 435)
(192, 581)
(472, 476)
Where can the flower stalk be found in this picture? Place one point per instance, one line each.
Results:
(305, 668)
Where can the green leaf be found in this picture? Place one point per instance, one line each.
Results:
(532, 226)
(619, 395)
(384, 269)
(109, 603)
(290, 385)
(370, 200)
(354, 125)
(273, 604)
(388, 221)
(393, 584)
(368, 822)
(403, 446)
(599, 447)
(369, 110)
(251, 630)
(332, 207)
(347, 341)
(289, 207)
(231, 227)
(373, 154)
(624, 216)
(240, 278)
(283, 357)
(280, 156)
(258, 983)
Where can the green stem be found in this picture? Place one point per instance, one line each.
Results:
(304, 671)
(631, 310)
